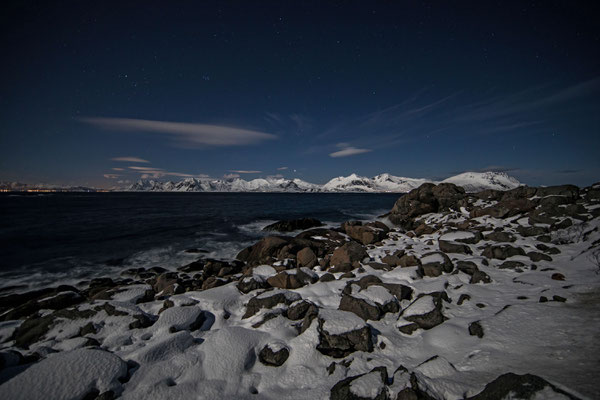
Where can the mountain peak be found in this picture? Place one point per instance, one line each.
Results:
(470, 181)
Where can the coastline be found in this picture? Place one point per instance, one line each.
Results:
(464, 288)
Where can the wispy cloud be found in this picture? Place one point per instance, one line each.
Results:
(118, 169)
(347, 151)
(136, 168)
(186, 134)
(231, 176)
(130, 159)
(282, 168)
(243, 171)
(111, 176)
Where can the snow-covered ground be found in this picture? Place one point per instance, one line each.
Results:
(451, 334)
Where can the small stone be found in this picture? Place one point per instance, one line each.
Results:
(558, 276)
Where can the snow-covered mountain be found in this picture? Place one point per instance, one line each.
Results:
(477, 181)
(471, 181)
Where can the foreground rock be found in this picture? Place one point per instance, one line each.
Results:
(427, 198)
(342, 333)
(521, 387)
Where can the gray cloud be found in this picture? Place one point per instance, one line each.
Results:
(186, 134)
(348, 151)
(130, 159)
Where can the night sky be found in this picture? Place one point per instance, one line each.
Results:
(102, 93)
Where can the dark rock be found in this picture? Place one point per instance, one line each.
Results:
(505, 209)
(213, 282)
(365, 234)
(269, 299)
(463, 297)
(409, 328)
(306, 258)
(502, 252)
(433, 264)
(298, 310)
(559, 298)
(349, 253)
(89, 328)
(274, 358)
(500, 237)
(454, 247)
(250, 283)
(547, 249)
(531, 230)
(480, 276)
(475, 329)
(543, 299)
(558, 276)
(468, 267)
(536, 257)
(327, 277)
(293, 225)
(427, 198)
(339, 345)
(519, 387)
(429, 319)
(285, 280)
(408, 260)
(263, 252)
(511, 265)
(341, 390)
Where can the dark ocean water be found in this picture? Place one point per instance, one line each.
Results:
(66, 237)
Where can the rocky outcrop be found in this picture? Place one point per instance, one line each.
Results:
(427, 198)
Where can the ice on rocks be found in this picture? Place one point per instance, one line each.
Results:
(458, 235)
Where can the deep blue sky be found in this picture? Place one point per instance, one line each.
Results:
(418, 89)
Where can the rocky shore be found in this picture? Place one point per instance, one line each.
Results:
(449, 296)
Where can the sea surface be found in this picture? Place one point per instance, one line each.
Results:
(50, 239)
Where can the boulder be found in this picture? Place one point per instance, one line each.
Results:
(520, 387)
(370, 303)
(500, 236)
(285, 280)
(306, 258)
(427, 198)
(263, 252)
(454, 247)
(475, 329)
(468, 267)
(270, 299)
(502, 252)
(480, 276)
(342, 333)
(274, 354)
(537, 257)
(290, 225)
(434, 263)
(426, 312)
(250, 283)
(349, 253)
(366, 234)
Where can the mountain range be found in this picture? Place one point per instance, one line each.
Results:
(470, 181)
